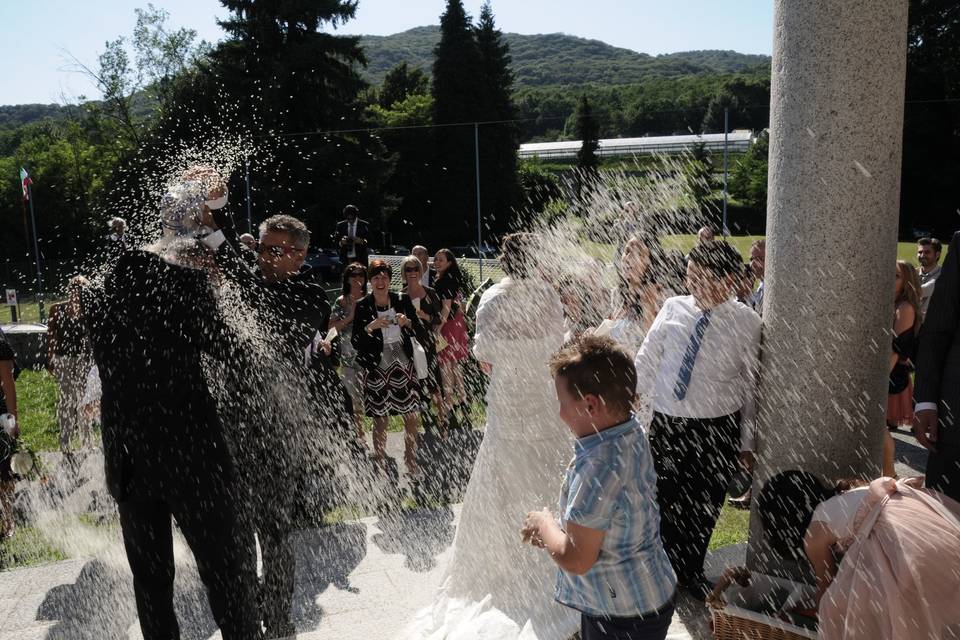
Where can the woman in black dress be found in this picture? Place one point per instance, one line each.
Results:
(384, 322)
(428, 306)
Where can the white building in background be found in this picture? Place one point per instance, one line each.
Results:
(738, 141)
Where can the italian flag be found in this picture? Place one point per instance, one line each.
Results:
(25, 179)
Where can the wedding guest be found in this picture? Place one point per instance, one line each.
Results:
(383, 326)
(758, 262)
(352, 236)
(8, 404)
(884, 555)
(635, 298)
(699, 361)
(583, 301)
(117, 242)
(937, 380)
(452, 346)
(69, 358)
(428, 274)
(744, 288)
(292, 305)
(606, 543)
(705, 235)
(344, 310)
(427, 304)
(928, 257)
(248, 249)
(117, 238)
(906, 326)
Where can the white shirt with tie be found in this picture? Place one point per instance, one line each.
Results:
(351, 235)
(724, 376)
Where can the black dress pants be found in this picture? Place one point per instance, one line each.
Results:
(279, 570)
(223, 551)
(943, 470)
(695, 461)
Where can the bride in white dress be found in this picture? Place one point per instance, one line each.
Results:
(496, 587)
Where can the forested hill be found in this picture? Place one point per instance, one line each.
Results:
(559, 59)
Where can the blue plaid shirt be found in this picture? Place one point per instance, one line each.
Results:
(611, 485)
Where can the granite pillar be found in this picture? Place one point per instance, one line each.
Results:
(836, 126)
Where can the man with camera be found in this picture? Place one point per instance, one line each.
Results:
(288, 455)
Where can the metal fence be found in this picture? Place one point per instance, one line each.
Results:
(471, 267)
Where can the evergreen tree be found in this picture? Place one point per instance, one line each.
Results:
(280, 72)
(588, 131)
(748, 180)
(931, 132)
(498, 140)
(296, 75)
(400, 83)
(457, 98)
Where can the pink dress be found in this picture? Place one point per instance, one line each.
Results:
(900, 576)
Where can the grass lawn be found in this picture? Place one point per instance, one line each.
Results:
(732, 527)
(29, 312)
(37, 406)
(27, 547)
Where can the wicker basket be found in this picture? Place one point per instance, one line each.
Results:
(737, 619)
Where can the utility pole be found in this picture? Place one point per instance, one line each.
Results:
(726, 137)
(476, 153)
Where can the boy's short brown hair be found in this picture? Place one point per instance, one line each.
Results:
(597, 365)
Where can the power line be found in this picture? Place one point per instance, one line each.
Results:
(413, 127)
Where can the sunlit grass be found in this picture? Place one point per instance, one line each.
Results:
(733, 525)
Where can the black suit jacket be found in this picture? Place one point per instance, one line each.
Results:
(148, 327)
(362, 252)
(938, 355)
(369, 346)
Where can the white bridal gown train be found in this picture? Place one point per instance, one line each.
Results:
(496, 587)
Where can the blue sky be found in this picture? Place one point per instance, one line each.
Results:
(37, 36)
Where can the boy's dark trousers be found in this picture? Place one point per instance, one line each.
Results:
(695, 461)
(649, 626)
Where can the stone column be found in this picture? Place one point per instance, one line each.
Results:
(836, 126)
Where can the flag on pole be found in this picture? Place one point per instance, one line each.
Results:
(25, 179)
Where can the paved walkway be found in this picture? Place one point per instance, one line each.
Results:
(359, 579)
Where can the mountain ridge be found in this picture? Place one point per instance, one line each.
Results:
(560, 59)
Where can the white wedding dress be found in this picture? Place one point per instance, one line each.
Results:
(496, 587)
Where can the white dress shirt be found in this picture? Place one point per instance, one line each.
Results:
(724, 376)
(351, 235)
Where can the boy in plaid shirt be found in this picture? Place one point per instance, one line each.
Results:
(606, 542)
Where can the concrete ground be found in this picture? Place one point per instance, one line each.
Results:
(358, 579)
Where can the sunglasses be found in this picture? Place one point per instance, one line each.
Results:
(275, 250)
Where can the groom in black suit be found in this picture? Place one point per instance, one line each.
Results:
(937, 382)
(164, 448)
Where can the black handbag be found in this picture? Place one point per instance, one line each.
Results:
(899, 378)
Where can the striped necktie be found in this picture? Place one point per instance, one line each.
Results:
(690, 357)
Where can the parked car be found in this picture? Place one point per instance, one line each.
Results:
(470, 251)
(326, 262)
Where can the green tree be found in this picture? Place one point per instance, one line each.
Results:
(748, 180)
(457, 98)
(400, 83)
(700, 182)
(499, 139)
(587, 131)
(931, 140)
(163, 52)
(281, 72)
